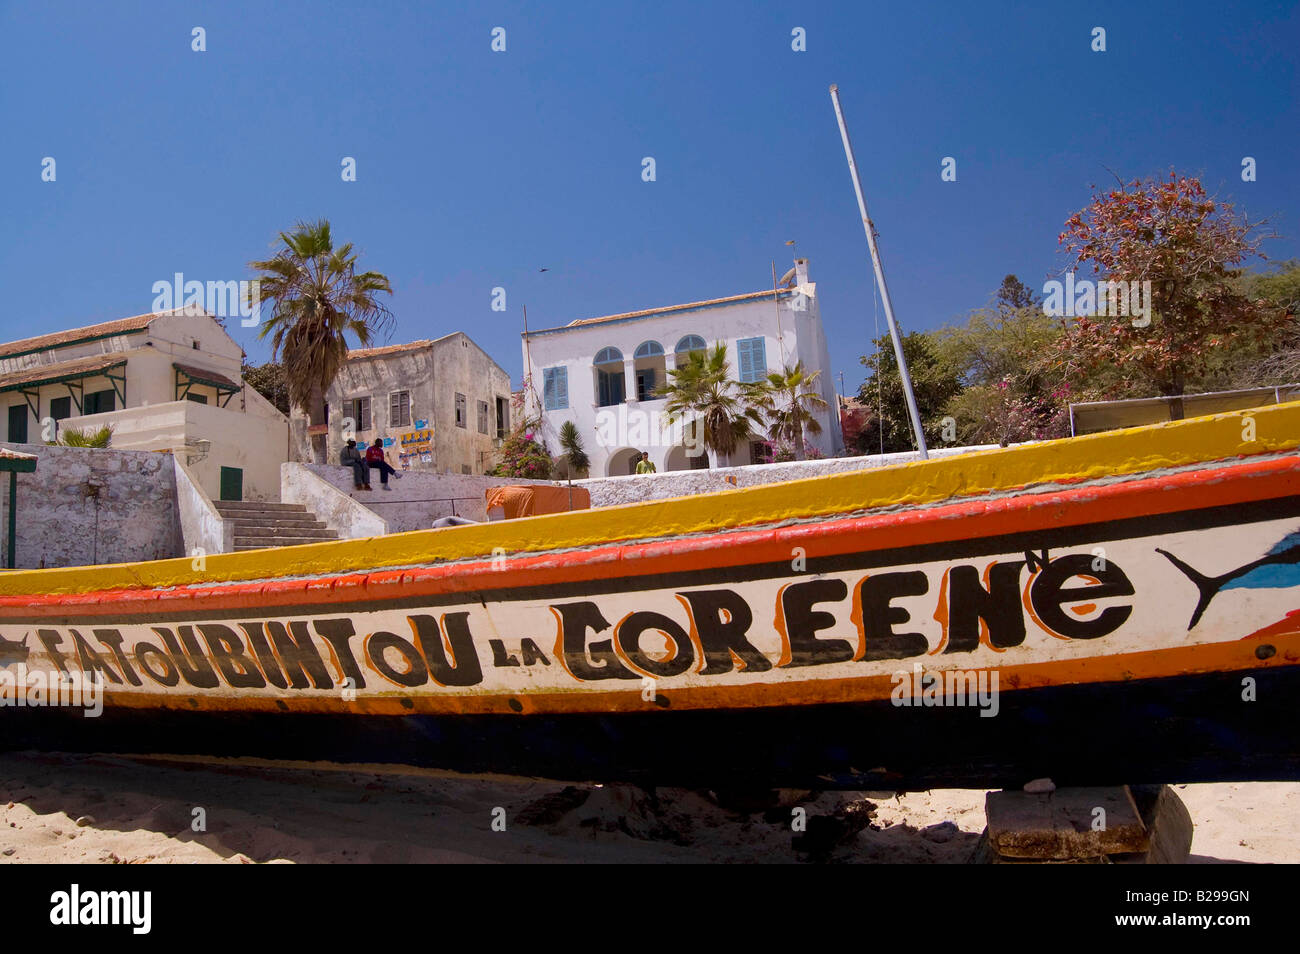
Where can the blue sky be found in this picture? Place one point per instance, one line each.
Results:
(476, 169)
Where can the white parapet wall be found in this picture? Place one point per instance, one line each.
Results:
(611, 491)
(417, 499)
(85, 506)
(305, 484)
(203, 530)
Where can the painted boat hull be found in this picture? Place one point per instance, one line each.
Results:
(1122, 619)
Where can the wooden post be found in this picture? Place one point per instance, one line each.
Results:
(1117, 824)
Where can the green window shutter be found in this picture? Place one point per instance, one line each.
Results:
(232, 483)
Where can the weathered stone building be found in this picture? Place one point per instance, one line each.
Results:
(440, 405)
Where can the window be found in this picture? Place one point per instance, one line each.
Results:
(555, 388)
(196, 345)
(645, 384)
(610, 383)
(18, 423)
(482, 417)
(196, 398)
(460, 411)
(690, 343)
(464, 469)
(60, 408)
(358, 409)
(610, 388)
(760, 452)
(399, 409)
(648, 349)
(503, 417)
(99, 402)
(752, 358)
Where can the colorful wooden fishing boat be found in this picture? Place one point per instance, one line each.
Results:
(1118, 608)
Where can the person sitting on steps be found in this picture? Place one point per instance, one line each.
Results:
(375, 458)
(351, 457)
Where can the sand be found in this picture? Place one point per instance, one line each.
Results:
(116, 810)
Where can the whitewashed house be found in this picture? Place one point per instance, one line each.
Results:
(164, 381)
(603, 373)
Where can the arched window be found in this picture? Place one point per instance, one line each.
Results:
(609, 356)
(648, 349)
(690, 343)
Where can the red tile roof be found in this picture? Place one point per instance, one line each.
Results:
(39, 373)
(120, 326)
(388, 349)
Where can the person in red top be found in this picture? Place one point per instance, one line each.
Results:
(375, 459)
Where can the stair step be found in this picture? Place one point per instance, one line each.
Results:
(259, 543)
(306, 521)
(235, 505)
(315, 533)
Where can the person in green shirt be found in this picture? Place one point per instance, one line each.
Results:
(644, 466)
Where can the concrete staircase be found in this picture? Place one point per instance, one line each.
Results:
(262, 524)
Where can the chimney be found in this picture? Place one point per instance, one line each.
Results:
(800, 271)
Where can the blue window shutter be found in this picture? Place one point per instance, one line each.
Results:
(562, 386)
(752, 359)
(548, 388)
(758, 357)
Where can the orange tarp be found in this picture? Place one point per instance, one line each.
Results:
(532, 500)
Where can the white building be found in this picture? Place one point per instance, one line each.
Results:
(602, 373)
(165, 381)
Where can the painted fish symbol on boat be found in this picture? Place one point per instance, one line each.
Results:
(13, 651)
(1277, 569)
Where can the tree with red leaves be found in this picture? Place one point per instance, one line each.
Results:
(1189, 246)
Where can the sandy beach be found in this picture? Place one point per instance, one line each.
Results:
(57, 808)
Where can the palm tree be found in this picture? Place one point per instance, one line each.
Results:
(789, 400)
(317, 296)
(703, 396)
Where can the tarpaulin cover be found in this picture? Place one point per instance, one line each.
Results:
(531, 500)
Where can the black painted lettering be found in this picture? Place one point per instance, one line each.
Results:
(501, 658)
(53, 643)
(166, 674)
(414, 673)
(999, 607)
(113, 640)
(299, 655)
(629, 632)
(265, 657)
(239, 671)
(875, 593)
(532, 653)
(589, 663)
(722, 620)
(338, 632)
(802, 623)
(1048, 595)
(460, 667)
(191, 663)
(90, 660)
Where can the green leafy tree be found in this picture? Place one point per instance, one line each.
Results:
(702, 395)
(268, 380)
(789, 400)
(72, 437)
(317, 297)
(574, 456)
(934, 381)
(1011, 391)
